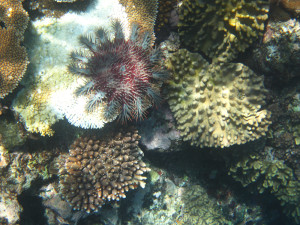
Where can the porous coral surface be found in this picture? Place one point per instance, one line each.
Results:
(125, 74)
(216, 105)
(13, 57)
(221, 28)
(100, 170)
(142, 12)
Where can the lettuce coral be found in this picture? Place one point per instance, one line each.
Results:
(268, 174)
(221, 28)
(216, 105)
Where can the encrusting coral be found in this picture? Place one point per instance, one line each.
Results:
(126, 75)
(13, 57)
(102, 169)
(18, 171)
(221, 28)
(216, 105)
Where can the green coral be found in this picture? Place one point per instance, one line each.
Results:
(221, 28)
(216, 105)
(10, 134)
(199, 209)
(270, 175)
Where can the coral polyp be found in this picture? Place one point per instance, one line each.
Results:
(124, 74)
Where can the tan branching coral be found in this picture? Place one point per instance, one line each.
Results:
(222, 28)
(141, 12)
(100, 170)
(218, 104)
(13, 57)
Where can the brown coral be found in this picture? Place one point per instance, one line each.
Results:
(141, 12)
(56, 8)
(14, 16)
(98, 170)
(291, 5)
(13, 57)
(164, 13)
(13, 61)
(221, 28)
(216, 105)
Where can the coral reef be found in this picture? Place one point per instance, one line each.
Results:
(13, 57)
(124, 74)
(266, 173)
(102, 169)
(10, 134)
(32, 103)
(218, 104)
(279, 53)
(199, 209)
(57, 210)
(55, 8)
(284, 133)
(17, 175)
(48, 95)
(158, 132)
(143, 13)
(290, 5)
(165, 8)
(221, 29)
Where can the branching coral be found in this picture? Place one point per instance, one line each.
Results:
(100, 170)
(125, 74)
(13, 57)
(221, 28)
(218, 104)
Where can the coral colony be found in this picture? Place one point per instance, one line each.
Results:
(124, 74)
(100, 170)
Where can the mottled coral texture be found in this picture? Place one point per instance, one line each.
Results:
(13, 57)
(98, 170)
(143, 13)
(124, 74)
(221, 29)
(216, 105)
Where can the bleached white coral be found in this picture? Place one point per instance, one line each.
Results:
(73, 107)
(50, 46)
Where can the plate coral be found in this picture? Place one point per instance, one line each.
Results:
(216, 105)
